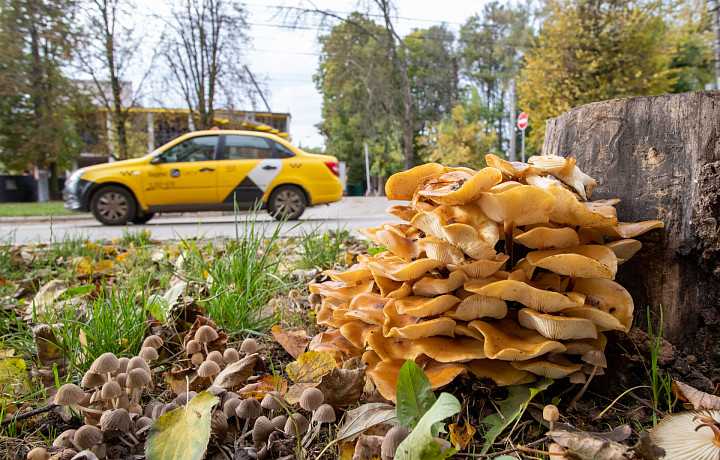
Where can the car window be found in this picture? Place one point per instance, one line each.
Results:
(195, 149)
(246, 148)
(282, 151)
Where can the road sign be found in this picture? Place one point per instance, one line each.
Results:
(522, 121)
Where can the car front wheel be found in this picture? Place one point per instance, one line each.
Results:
(141, 219)
(287, 202)
(113, 205)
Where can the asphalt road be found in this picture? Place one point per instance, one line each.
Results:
(349, 214)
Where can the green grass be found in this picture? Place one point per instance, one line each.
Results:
(323, 250)
(55, 208)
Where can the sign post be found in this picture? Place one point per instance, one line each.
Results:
(522, 123)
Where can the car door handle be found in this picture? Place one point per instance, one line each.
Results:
(207, 170)
(268, 167)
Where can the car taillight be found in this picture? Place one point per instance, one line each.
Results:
(334, 166)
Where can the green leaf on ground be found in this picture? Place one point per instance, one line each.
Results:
(420, 442)
(413, 395)
(184, 432)
(512, 408)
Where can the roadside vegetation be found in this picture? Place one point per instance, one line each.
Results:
(52, 208)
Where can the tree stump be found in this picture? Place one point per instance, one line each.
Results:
(661, 156)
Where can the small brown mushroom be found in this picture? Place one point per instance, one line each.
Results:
(296, 425)
(261, 430)
(229, 408)
(311, 399)
(230, 356)
(392, 440)
(551, 414)
(87, 436)
(137, 379)
(208, 369)
(107, 364)
(596, 358)
(66, 440)
(197, 359)
(249, 409)
(216, 356)
(273, 401)
(204, 335)
(153, 341)
(38, 453)
(192, 347)
(111, 391)
(323, 414)
(249, 346)
(148, 354)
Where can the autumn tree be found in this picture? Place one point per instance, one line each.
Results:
(592, 50)
(110, 47)
(491, 47)
(204, 54)
(36, 127)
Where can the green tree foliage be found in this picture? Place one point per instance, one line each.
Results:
(461, 138)
(593, 50)
(491, 47)
(691, 37)
(356, 79)
(36, 126)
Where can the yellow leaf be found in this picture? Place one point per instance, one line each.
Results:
(82, 266)
(121, 257)
(14, 377)
(116, 241)
(184, 432)
(307, 372)
(104, 266)
(460, 436)
(91, 245)
(110, 250)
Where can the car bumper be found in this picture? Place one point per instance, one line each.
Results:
(75, 195)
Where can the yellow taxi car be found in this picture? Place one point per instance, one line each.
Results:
(207, 171)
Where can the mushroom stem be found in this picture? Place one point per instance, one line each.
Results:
(311, 435)
(582, 390)
(245, 427)
(206, 349)
(80, 409)
(508, 228)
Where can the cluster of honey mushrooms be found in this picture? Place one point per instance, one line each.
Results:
(506, 272)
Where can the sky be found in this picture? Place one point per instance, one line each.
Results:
(285, 59)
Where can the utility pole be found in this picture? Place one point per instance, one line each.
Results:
(713, 8)
(513, 117)
(267, 106)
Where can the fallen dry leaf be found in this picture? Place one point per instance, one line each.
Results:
(50, 354)
(262, 387)
(368, 447)
(237, 373)
(699, 399)
(343, 387)
(588, 447)
(182, 380)
(461, 435)
(45, 297)
(307, 372)
(294, 342)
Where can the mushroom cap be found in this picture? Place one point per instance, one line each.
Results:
(429, 286)
(511, 170)
(324, 414)
(169, 408)
(38, 453)
(506, 340)
(249, 409)
(392, 440)
(424, 328)
(401, 271)
(585, 261)
(451, 350)
(340, 290)
(311, 399)
(92, 380)
(556, 369)
(111, 390)
(402, 185)
(682, 436)
(208, 368)
(137, 362)
(567, 210)
(401, 211)
(148, 354)
(521, 205)
(334, 343)
(405, 248)
(589, 369)
(296, 425)
(466, 189)
(551, 413)
(440, 250)
(579, 347)
(65, 439)
(69, 395)
(477, 306)
(367, 308)
(462, 236)
(219, 424)
(357, 332)
(137, 378)
(121, 379)
(273, 401)
(231, 355)
(631, 229)
(517, 291)
(595, 357)
(389, 288)
(230, 407)
(577, 377)
(122, 363)
(206, 334)
(421, 307)
(472, 215)
(566, 170)
(384, 374)
(609, 297)
(501, 372)
(557, 327)
(116, 419)
(279, 421)
(216, 356)
(197, 359)
(624, 249)
(588, 235)
(87, 436)
(153, 341)
(192, 347)
(261, 430)
(357, 273)
(105, 363)
(548, 238)
(142, 423)
(480, 268)
(393, 347)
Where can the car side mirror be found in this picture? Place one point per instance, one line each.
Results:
(157, 159)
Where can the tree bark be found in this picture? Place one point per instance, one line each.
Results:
(661, 156)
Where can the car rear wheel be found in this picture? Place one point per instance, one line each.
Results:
(287, 202)
(141, 219)
(113, 205)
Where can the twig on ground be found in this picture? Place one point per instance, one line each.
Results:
(28, 414)
(508, 451)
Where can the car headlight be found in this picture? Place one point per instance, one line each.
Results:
(75, 176)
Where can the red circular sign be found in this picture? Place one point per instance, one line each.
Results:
(522, 121)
